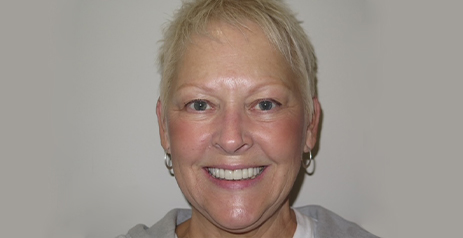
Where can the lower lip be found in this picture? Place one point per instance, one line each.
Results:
(236, 184)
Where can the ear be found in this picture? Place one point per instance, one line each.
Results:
(162, 122)
(312, 129)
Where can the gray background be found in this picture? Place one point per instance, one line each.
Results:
(80, 151)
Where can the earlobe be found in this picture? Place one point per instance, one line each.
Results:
(162, 123)
(312, 129)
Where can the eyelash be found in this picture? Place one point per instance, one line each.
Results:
(256, 105)
(276, 103)
(189, 104)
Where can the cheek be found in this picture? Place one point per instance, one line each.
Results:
(187, 139)
(284, 138)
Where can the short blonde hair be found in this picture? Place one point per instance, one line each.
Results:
(276, 20)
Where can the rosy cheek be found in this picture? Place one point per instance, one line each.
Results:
(177, 133)
(286, 135)
(187, 138)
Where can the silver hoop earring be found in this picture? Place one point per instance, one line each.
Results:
(306, 165)
(168, 162)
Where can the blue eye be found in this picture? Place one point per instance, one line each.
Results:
(198, 105)
(266, 105)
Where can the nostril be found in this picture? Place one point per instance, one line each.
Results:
(231, 146)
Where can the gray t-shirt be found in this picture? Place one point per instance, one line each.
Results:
(326, 224)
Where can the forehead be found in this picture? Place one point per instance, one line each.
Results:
(233, 52)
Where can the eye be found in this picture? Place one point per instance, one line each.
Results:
(198, 105)
(266, 105)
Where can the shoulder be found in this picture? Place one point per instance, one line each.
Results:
(329, 224)
(163, 228)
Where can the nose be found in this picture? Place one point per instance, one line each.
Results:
(233, 135)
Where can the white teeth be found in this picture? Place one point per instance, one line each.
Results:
(228, 174)
(237, 174)
(245, 173)
(221, 173)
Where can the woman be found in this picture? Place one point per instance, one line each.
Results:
(237, 111)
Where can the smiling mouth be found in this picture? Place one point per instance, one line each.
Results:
(237, 174)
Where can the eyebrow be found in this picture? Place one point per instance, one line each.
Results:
(265, 83)
(192, 85)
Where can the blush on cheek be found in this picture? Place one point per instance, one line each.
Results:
(188, 139)
(289, 134)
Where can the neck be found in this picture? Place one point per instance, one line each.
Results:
(281, 224)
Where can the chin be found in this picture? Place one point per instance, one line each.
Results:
(238, 220)
(238, 225)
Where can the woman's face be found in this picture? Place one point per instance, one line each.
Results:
(235, 128)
